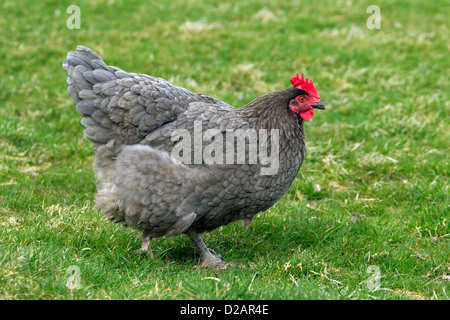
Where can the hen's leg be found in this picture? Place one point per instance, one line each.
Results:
(145, 244)
(208, 256)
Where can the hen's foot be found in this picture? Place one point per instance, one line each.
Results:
(209, 259)
(144, 247)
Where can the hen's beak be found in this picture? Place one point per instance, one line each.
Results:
(318, 105)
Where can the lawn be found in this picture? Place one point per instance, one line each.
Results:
(366, 218)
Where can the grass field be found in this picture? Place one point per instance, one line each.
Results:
(366, 218)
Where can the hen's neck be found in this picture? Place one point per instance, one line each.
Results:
(271, 111)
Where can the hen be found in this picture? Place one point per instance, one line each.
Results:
(170, 161)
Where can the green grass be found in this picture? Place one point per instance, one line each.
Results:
(373, 190)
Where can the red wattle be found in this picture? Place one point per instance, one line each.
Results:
(307, 115)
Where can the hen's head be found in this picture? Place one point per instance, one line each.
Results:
(305, 103)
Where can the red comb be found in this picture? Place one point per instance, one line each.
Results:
(308, 86)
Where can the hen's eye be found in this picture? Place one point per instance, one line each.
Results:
(301, 99)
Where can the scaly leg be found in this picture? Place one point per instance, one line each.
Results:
(208, 257)
(145, 245)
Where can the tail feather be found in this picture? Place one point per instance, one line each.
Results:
(122, 106)
(90, 80)
(78, 62)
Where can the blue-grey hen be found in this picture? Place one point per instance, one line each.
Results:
(151, 140)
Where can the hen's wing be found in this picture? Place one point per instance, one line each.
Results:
(119, 105)
(199, 122)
